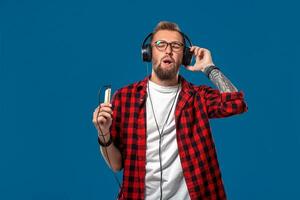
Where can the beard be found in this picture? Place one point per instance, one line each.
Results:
(166, 74)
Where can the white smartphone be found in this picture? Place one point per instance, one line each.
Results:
(107, 94)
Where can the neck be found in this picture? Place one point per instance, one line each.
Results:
(169, 82)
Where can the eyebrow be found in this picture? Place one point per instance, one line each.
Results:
(168, 42)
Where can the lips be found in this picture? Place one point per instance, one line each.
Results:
(167, 60)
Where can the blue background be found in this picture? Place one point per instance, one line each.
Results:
(55, 55)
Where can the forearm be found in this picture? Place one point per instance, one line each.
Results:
(111, 154)
(221, 81)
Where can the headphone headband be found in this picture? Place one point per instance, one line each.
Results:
(147, 49)
(185, 37)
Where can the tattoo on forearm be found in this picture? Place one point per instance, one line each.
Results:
(221, 81)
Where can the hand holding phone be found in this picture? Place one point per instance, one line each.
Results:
(102, 117)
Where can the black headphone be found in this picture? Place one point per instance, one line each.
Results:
(147, 50)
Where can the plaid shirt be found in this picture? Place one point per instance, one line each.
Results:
(195, 105)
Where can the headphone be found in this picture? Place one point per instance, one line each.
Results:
(187, 55)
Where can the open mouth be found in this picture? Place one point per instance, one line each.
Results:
(167, 61)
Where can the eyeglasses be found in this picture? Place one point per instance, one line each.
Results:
(162, 45)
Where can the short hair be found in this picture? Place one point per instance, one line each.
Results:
(166, 25)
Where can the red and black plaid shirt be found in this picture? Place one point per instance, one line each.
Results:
(195, 105)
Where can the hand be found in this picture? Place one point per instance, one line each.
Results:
(102, 118)
(203, 59)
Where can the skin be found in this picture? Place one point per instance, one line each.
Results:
(221, 81)
(102, 120)
(202, 58)
(162, 74)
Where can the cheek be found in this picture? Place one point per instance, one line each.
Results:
(178, 58)
(155, 57)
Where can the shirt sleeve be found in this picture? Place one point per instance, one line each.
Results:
(223, 104)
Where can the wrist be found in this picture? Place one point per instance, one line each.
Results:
(209, 69)
(103, 133)
(105, 141)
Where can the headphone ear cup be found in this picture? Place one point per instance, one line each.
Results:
(187, 56)
(147, 53)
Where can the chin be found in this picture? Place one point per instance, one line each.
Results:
(166, 74)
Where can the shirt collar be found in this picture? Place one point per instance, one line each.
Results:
(186, 87)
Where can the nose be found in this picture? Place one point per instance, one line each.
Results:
(169, 49)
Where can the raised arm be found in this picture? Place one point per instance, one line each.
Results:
(219, 79)
(225, 101)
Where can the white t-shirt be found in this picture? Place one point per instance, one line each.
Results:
(173, 182)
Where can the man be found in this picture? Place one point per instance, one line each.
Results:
(158, 130)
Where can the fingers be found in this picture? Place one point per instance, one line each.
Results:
(198, 51)
(105, 105)
(106, 109)
(191, 68)
(202, 59)
(193, 48)
(102, 114)
(103, 121)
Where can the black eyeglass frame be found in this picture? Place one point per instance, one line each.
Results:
(172, 45)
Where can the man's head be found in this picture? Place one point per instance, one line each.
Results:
(167, 50)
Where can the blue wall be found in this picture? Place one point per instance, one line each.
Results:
(55, 55)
